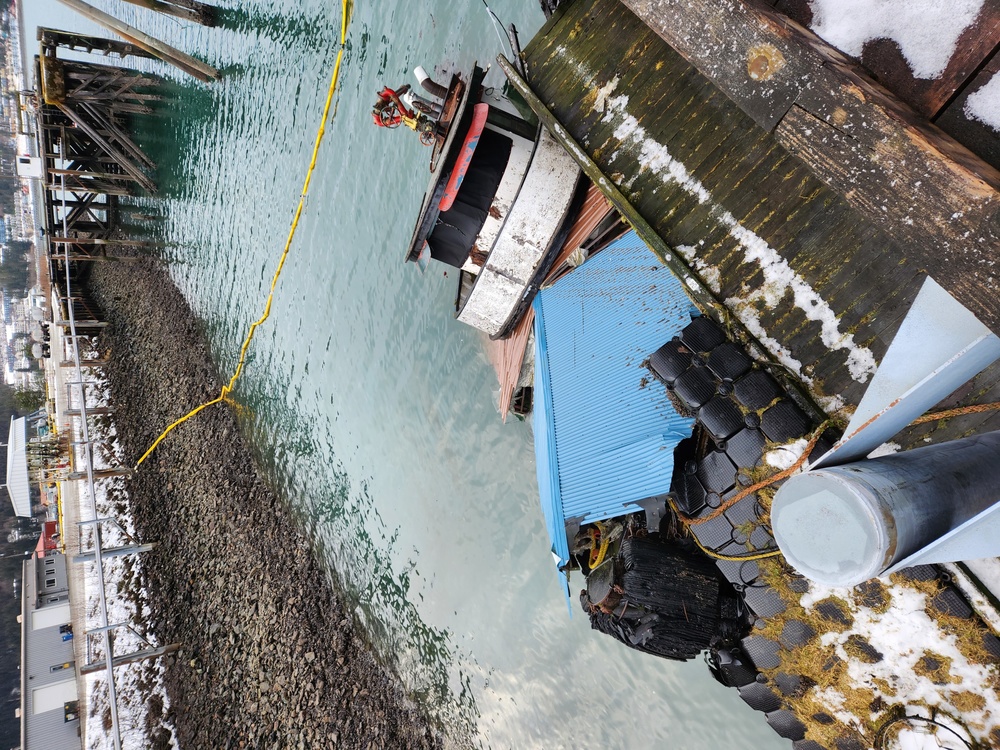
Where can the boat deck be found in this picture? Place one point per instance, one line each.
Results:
(785, 219)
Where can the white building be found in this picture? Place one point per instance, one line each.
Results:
(49, 710)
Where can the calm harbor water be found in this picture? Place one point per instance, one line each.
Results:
(370, 407)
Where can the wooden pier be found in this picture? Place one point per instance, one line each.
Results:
(89, 159)
(91, 164)
(804, 201)
(803, 205)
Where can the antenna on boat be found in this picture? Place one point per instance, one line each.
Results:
(496, 20)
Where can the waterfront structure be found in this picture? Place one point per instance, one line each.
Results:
(49, 714)
(803, 207)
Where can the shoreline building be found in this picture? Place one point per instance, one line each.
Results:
(49, 713)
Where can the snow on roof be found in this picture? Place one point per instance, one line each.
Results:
(926, 31)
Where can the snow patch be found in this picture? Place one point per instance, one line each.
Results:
(984, 104)
(904, 633)
(709, 274)
(141, 685)
(927, 31)
(784, 456)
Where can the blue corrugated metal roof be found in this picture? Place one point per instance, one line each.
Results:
(604, 439)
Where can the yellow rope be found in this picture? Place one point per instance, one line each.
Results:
(737, 558)
(228, 387)
(597, 554)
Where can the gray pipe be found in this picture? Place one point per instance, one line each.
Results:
(847, 524)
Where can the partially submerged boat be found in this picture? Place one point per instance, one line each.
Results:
(501, 196)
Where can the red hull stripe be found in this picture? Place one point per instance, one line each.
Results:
(465, 157)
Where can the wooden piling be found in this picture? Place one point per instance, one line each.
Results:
(165, 52)
(86, 43)
(205, 16)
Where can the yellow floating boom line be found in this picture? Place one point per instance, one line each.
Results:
(228, 387)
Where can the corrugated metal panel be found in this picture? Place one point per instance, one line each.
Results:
(507, 354)
(604, 439)
(43, 649)
(18, 484)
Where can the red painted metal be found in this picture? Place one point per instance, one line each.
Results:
(480, 111)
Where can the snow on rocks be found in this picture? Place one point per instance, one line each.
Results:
(909, 642)
(143, 705)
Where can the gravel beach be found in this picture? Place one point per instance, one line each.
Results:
(270, 657)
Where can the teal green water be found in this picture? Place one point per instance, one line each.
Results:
(370, 407)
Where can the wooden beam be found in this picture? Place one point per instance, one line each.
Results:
(185, 14)
(83, 42)
(131, 549)
(165, 52)
(105, 119)
(149, 653)
(95, 187)
(89, 173)
(100, 241)
(101, 472)
(81, 323)
(108, 147)
(85, 363)
(695, 286)
(917, 184)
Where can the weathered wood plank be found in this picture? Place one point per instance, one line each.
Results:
(921, 186)
(957, 248)
(698, 173)
(693, 282)
(884, 60)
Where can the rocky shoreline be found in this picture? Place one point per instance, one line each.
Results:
(270, 657)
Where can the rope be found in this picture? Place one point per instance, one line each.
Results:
(688, 521)
(759, 485)
(597, 554)
(228, 387)
(736, 558)
(960, 411)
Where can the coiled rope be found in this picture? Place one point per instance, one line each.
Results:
(228, 387)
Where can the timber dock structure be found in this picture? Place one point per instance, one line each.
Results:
(89, 165)
(807, 206)
(808, 201)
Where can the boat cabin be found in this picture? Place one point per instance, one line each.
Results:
(499, 200)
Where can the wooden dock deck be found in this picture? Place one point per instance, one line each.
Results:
(806, 198)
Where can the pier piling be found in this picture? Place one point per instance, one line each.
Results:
(165, 52)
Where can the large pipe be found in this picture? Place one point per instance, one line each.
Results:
(429, 84)
(846, 524)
